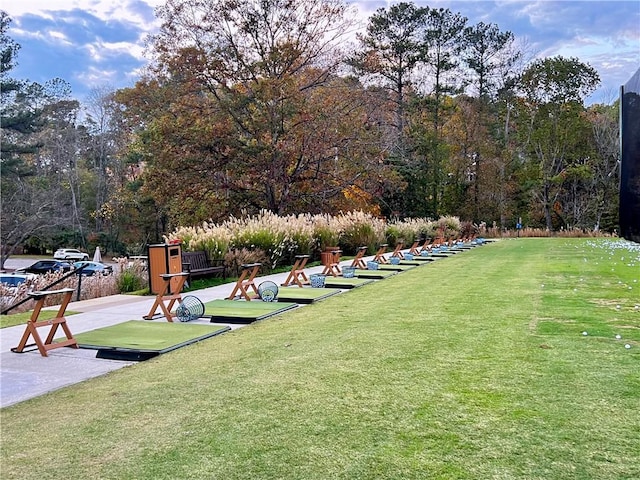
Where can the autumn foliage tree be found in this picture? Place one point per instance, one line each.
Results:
(554, 125)
(243, 110)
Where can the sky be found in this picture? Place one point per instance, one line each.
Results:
(100, 44)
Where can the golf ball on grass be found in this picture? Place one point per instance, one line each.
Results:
(627, 346)
(618, 336)
(585, 333)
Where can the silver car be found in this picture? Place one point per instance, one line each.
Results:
(70, 254)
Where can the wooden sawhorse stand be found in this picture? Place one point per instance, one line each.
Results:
(246, 281)
(426, 246)
(358, 260)
(297, 275)
(379, 256)
(166, 296)
(331, 262)
(33, 324)
(416, 248)
(397, 252)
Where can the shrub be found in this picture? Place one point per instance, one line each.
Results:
(235, 258)
(449, 226)
(326, 231)
(358, 229)
(128, 281)
(392, 235)
(130, 276)
(211, 238)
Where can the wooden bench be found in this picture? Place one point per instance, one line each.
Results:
(197, 265)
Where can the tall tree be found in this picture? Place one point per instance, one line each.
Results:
(258, 73)
(487, 55)
(554, 89)
(442, 37)
(604, 120)
(391, 51)
(103, 147)
(32, 199)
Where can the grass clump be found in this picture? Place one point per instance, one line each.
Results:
(470, 367)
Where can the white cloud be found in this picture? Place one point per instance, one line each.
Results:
(59, 37)
(103, 41)
(95, 76)
(101, 51)
(107, 10)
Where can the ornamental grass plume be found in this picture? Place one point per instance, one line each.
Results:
(94, 286)
(279, 237)
(405, 231)
(283, 237)
(358, 229)
(212, 238)
(327, 231)
(449, 226)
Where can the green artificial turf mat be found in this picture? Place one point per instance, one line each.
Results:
(146, 336)
(345, 283)
(419, 259)
(411, 263)
(374, 274)
(395, 268)
(305, 294)
(240, 311)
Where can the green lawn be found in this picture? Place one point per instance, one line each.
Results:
(22, 318)
(471, 367)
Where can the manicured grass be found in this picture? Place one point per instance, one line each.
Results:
(471, 367)
(21, 318)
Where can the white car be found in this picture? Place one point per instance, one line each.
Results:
(70, 254)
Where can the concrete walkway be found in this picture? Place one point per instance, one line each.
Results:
(28, 375)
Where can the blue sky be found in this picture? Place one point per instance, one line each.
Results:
(100, 43)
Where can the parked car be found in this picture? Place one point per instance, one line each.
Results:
(93, 268)
(9, 286)
(70, 254)
(14, 280)
(45, 266)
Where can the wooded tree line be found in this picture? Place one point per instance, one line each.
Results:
(275, 104)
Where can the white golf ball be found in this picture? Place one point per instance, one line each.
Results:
(627, 346)
(585, 333)
(618, 336)
(617, 307)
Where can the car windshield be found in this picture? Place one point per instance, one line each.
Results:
(12, 280)
(86, 265)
